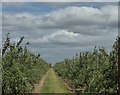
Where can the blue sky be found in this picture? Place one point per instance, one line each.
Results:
(27, 7)
(60, 30)
(35, 7)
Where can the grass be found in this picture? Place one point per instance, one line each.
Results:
(53, 84)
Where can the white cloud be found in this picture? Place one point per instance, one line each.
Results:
(80, 20)
(67, 29)
(58, 36)
(75, 17)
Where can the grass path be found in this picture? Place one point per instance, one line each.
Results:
(39, 86)
(53, 84)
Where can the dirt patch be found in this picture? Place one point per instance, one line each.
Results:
(38, 87)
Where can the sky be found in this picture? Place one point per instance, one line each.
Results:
(61, 30)
(60, 0)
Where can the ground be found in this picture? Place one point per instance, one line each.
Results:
(51, 83)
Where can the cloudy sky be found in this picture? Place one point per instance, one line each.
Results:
(60, 30)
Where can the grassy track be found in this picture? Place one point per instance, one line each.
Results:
(39, 86)
(53, 84)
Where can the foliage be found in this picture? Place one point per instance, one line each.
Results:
(94, 72)
(21, 69)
